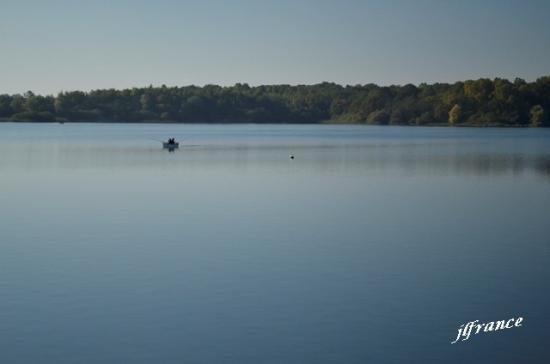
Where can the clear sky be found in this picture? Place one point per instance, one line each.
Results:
(49, 46)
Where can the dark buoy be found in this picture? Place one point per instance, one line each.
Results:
(291, 156)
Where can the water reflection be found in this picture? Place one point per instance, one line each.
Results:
(227, 251)
(362, 159)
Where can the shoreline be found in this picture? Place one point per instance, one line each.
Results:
(327, 122)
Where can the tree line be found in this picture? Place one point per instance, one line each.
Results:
(481, 102)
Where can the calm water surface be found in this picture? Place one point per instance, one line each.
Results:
(372, 246)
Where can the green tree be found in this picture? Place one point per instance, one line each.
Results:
(475, 102)
(39, 104)
(17, 104)
(455, 115)
(5, 105)
(146, 102)
(503, 90)
(537, 116)
(378, 117)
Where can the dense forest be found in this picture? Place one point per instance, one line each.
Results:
(482, 102)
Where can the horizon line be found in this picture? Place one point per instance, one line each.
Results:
(283, 84)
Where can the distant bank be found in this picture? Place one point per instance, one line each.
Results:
(481, 102)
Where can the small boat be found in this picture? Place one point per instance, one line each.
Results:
(170, 145)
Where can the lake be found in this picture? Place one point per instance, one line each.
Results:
(373, 245)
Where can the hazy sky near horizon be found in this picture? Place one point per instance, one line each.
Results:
(49, 46)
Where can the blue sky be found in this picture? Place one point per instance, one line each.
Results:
(49, 46)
